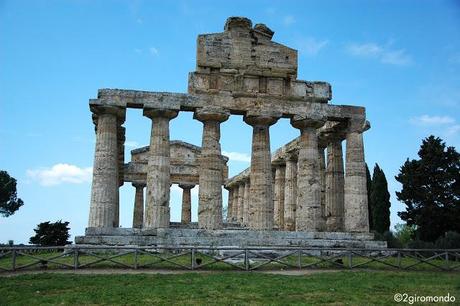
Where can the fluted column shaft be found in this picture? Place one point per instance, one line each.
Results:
(230, 204)
(280, 172)
(105, 182)
(235, 204)
(261, 190)
(334, 187)
(138, 215)
(157, 213)
(356, 210)
(211, 170)
(186, 215)
(240, 203)
(308, 212)
(290, 194)
(322, 171)
(246, 193)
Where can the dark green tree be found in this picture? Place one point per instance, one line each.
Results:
(9, 202)
(380, 201)
(51, 234)
(369, 203)
(431, 190)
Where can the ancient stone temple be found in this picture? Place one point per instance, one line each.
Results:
(309, 192)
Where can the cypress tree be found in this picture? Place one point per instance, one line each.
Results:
(380, 199)
(369, 203)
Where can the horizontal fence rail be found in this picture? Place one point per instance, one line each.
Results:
(224, 258)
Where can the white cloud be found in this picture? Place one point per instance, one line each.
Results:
(311, 46)
(61, 173)
(237, 156)
(432, 120)
(365, 50)
(384, 54)
(288, 20)
(131, 144)
(453, 130)
(153, 51)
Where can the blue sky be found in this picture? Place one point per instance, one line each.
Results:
(399, 59)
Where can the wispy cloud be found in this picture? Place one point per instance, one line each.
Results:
(59, 174)
(237, 156)
(311, 46)
(288, 20)
(131, 144)
(154, 51)
(444, 126)
(432, 120)
(385, 54)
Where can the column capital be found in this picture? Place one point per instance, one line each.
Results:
(160, 112)
(303, 122)
(138, 184)
(186, 186)
(211, 114)
(117, 111)
(358, 125)
(260, 120)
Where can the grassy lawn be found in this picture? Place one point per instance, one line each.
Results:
(337, 288)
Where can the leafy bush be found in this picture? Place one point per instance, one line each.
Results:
(51, 234)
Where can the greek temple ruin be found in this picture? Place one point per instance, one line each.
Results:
(308, 192)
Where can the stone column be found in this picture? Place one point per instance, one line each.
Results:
(290, 193)
(261, 190)
(246, 202)
(211, 169)
(280, 172)
(235, 203)
(105, 183)
(240, 203)
(121, 131)
(322, 171)
(230, 204)
(356, 209)
(308, 212)
(157, 213)
(186, 216)
(334, 186)
(138, 215)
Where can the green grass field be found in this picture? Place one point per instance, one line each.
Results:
(237, 288)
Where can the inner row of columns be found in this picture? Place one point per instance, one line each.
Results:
(310, 201)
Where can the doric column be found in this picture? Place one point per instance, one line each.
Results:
(138, 215)
(121, 137)
(211, 169)
(229, 204)
(280, 171)
(308, 212)
(158, 169)
(186, 216)
(261, 190)
(246, 193)
(334, 186)
(104, 189)
(290, 192)
(240, 203)
(322, 171)
(235, 203)
(356, 210)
